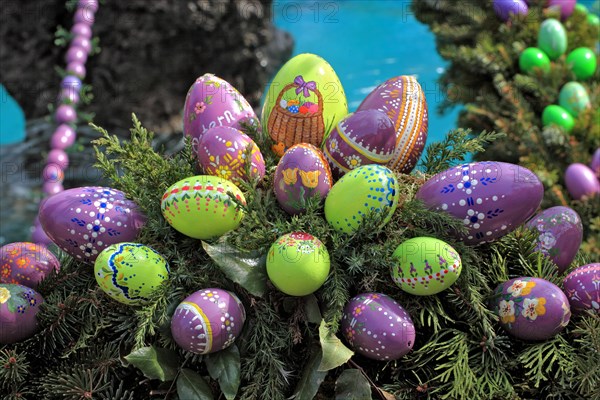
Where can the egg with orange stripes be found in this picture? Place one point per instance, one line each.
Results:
(402, 99)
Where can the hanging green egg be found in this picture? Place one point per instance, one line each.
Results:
(552, 38)
(532, 59)
(556, 115)
(574, 98)
(582, 61)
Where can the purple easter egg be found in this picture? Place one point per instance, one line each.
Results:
(581, 181)
(403, 101)
(58, 157)
(84, 15)
(68, 95)
(222, 152)
(365, 137)
(84, 221)
(83, 42)
(82, 30)
(53, 173)
(51, 188)
(19, 306)
(63, 137)
(302, 172)
(531, 308)
(76, 54)
(76, 68)
(212, 102)
(560, 236)
(208, 321)
(71, 82)
(565, 7)
(582, 287)
(65, 114)
(491, 198)
(26, 263)
(595, 163)
(91, 5)
(377, 327)
(505, 8)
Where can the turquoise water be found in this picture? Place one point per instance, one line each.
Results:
(12, 119)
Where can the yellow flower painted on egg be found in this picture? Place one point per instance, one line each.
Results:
(310, 179)
(223, 172)
(289, 176)
(4, 295)
(507, 311)
(532, 308)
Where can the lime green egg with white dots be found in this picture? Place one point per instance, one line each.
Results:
(130, 272)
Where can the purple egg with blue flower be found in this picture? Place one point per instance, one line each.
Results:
(19, 306)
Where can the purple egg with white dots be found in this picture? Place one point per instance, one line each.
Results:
(84, 221)
(377, 327)
(208, 321)
(582, 287)
(491, 198)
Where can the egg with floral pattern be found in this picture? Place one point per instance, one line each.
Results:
(224, 151)
(301, 173)
(84, 221)
(26, 263)
(560, 234)
(582, 287)
(425, 266)
(531, 308)
(377, 327)
(491, 198)
(208, 321)
(362, 138)
(19, 306)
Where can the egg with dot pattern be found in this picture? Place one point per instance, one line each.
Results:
(362, 191)
(207, 321)
(19, 306)
(201, 207)
(130, 272)
(377, 327)
(582, 287)
(26, 263)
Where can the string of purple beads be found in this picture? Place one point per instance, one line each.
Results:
(65, 115)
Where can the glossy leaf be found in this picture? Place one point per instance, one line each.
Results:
(352, 385)
(335, 353)
(224, 366)
(155, 362)
(191, 386)
(311, 378)
(311, 307)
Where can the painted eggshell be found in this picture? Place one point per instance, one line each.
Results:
(365, 137)
(222, 152)
(560, 236)
(84, 221)
(301, 173)
(403, 100)
(565, 7)
(492, 198)
(425, 266)
(26, 263)
(19, 306)
(304, 80)
(210, 102)
(504, 9)
(200, 207)
(582, 287)
(377, 327)
(595, 163)
(531, 308)
(298, 264)
(574, 98)
(552, 38)
(364, 190)
(581, 181)
(208, 321)
(130, 272)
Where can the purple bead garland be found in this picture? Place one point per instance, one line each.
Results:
(64, 136)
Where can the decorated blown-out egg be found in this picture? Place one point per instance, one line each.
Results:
(84, 221)
(403, 101)
(552, 38)
(301, 173)
(491, 198)
(309, 83)
(200, 207)
(425, 266)
(582, 287)
(560, 236)
(210, 102)
(362, 191)
(26, 263)
(365, 137)
(298, 264)
(130, 272)
(208, 321)
(377, 327)
(19, 306)
(581, 181)
(531, 308)
(574, 98)
(224, 151)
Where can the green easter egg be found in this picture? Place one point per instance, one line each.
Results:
(298, 264)
(552, 38)
(581, 8)
(532, 58)
(556, 115)
(582, 61)
(304, 102)
(425, 266)
(363, 190)
(593, 19)
(574, 98)
(201, 206)
(130, 272)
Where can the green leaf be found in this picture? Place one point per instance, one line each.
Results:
(247, 268)
(352, 385)
(155, 362)
(191, 386)
(311, 307)
(311, 379)
(335, 353)
(224, 366)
